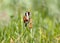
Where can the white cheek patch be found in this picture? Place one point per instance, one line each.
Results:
(27, 16)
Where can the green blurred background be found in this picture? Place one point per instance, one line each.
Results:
(46, 21)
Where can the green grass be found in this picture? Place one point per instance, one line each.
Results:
(46, 27)
(43, 30)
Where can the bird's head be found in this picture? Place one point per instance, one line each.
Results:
(27, 14)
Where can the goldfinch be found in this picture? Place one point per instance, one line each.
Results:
(27, 20)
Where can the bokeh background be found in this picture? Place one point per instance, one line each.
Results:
(46, 21)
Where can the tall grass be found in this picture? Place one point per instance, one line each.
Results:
(43, 30)
(46, 26)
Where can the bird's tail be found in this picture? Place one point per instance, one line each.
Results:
(25, 24)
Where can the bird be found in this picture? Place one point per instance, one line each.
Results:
(27, 20)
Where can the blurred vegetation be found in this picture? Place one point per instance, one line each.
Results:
(46, 21)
